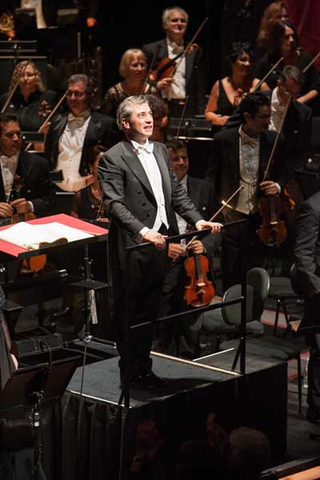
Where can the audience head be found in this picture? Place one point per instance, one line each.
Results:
(254, 111)
(133, 63)
(10, 134)
(175, 22)
(30, 79)
(178, 154)
(197, 460)
(80, 93)
(250, 453)
(134, 118)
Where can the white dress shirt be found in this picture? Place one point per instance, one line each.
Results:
(70, 151)
(8, 170)
(178, 86)
(277, 111)
(151, 168)
(249, 150)
(37, 6)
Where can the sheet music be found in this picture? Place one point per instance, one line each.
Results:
(29, 236)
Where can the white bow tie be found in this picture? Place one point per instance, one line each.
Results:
(147, 148)
(78, 120)
(252, 141)
(176, 49)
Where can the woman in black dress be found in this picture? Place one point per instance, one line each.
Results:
(226, 94)
(30, 101)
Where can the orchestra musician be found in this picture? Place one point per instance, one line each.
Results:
(30, 101)
(133, 70)
(72, 135)
(306, 276)
(226, 94)
(275, 12)
(202, 194)
(141, 194)
(189, 78)
(297, 129)
(240, 156)
(284, 43)
(25, 185)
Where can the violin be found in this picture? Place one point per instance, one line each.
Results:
(167, 66)
(273, 230)
(200, 291)
(36, 263)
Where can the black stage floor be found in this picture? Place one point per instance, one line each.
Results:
(97, 433)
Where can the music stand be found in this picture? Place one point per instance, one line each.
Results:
(30, 388)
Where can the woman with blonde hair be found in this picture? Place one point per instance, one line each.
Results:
(274, 13)
(30, 100)
(133, 70)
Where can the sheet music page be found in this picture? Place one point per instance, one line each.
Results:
(30, 236)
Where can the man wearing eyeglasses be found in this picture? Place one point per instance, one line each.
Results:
(240, 157)
(25, 185)
(73, 135)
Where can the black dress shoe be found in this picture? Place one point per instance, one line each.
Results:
(146, 380)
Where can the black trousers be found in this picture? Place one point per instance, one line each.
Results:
(137, 297)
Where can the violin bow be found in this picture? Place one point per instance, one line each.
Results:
(277, 139)
(47, 120)
(150, 69)
(4, 108)
(311, 63)
(267, 74)
(224, 205)
(182, 117)
(189, 44)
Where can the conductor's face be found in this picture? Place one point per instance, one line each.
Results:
(140, 125)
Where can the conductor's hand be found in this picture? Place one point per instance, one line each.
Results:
(21, 205)
(269, 187)
(215, 226)
(158, 240)
(5, 210)
(196, 247)
(175, 250)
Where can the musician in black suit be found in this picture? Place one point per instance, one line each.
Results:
(202, 194)
(240, 156)
(188, 83)
(141, 194)
(73, 135)
(25, 185)
(297, 128)
(306, 276)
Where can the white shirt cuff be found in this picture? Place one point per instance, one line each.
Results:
(140, 236)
